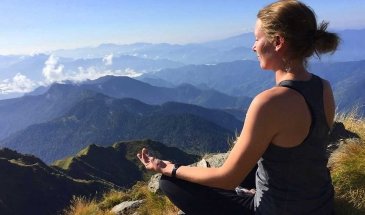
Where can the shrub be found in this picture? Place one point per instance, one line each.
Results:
(347, 166)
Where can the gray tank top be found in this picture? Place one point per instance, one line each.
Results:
(296, 180)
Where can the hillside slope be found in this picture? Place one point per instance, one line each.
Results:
(29, 186)
(103, 120)
(117, 164)
(45, 104)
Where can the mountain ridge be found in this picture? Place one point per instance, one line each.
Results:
(18, 113)
(104, 120)
(30, 186)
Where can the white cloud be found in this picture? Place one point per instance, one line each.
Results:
(108, 60)
(131, 73)
(93, 73)
(52, 71)
(18, 84)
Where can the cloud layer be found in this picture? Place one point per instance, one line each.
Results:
(18, 84)
(92, 73)
(53, 71)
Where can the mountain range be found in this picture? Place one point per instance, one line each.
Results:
(233, 48)
(45, 104)
(124, 87)
(187, 54)
(245, 78)
(29, 186)
(238, 78)
(103, 120)
(140, 58)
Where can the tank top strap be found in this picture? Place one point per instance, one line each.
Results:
(312, 92)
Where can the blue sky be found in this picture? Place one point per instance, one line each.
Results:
(29, 26)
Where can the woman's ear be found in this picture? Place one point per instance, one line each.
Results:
(279, 42)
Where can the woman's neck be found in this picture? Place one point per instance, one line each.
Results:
(295, 72)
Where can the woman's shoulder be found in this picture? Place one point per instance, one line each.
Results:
(276, 95)
(279, 102)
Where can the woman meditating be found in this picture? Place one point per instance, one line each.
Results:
(285, 130)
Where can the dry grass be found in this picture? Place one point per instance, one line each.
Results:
(112, 198)
(347, 165)
(353, 122)
(231, 141)
(154, 204)
(83, 206)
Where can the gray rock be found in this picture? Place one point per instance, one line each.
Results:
(202, 163)
(215, 160)
(127, 207)
(153, 184)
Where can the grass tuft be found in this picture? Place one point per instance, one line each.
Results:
(347, 166)
(111, 199)
(353, 122)
(83, 206)
(153, 204)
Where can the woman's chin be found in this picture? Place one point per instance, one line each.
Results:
(263, 66)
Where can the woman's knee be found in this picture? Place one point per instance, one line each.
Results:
(168, 185)
(165, 183)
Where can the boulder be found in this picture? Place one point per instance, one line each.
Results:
(127, 207)
(153, 184)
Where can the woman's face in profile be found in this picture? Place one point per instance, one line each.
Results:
(264, 49)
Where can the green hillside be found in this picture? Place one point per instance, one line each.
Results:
(103, 120)
(18, 113)
(117, 164)
(38, 107)
(29, 186)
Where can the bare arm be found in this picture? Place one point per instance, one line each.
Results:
(329, 103)
(257, 133)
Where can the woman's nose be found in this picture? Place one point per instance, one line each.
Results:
(254, 47)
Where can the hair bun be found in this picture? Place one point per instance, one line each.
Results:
(319, 33)
(325, 41)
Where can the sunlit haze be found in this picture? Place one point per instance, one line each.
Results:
(33, 26)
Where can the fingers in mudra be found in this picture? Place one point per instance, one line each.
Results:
(147, 159)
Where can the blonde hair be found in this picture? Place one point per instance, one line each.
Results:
(297, 23)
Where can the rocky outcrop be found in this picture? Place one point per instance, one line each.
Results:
(127, 207)
(153, 184)
(212, 160)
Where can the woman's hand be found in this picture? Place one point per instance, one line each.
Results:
(155, 164)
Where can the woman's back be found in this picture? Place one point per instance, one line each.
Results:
(292, 177)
